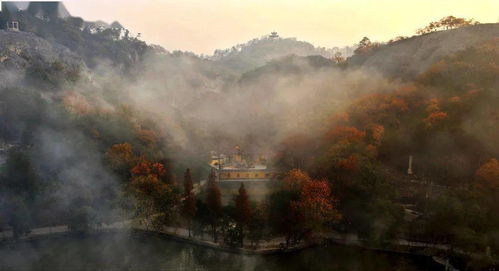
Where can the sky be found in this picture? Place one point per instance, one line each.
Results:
(201, 26)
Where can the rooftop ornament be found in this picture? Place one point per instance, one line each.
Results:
(274, 35)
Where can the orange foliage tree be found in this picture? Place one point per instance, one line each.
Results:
(148, 137)
(316, 206)
(350, 134)
(434, 119)
(144, 167)
(120, 157)
(345, 147)
(294, 179)
(149, 194)
(488, 174)
(315, 209)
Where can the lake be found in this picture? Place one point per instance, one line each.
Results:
(129, 251)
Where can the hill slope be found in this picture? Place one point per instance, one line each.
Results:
(410, 57)
(24, 51)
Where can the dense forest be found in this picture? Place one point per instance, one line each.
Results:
(88, 142)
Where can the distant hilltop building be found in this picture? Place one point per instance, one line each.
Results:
(274, 35)
(240, 166)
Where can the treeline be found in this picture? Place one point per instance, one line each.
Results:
(300, 209)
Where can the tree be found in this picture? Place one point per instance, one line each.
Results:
(145, 167)
(201, 218)
(488, 174)
(258, 226)
(294, 179)
(148, 137)
(338, 57)
(243, 211)
(189, 200)
(316, 206)
(365, 46)
(20, 187)
(155, 201)
(214, 203)
(364, 42)
(158, 169)
(281, 217)
(303, 207)
(120, 157)
(449, 22)
(435, 119)
(17, 216)
(80, 215)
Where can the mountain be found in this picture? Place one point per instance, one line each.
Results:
(408, 58)
(48, 10)
(42, 10)
(22, 52)
(52, 22)
(257, 52)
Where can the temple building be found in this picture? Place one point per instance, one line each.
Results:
(239, 166)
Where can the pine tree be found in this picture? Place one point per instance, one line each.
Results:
(214, 203)
(189, 203)
(243, 210)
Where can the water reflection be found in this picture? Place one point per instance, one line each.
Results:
(133, 252)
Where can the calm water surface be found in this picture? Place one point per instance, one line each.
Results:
(133, 252)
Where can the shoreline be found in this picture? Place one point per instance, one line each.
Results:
(341, 240)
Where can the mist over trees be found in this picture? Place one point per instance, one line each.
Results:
(110, 129)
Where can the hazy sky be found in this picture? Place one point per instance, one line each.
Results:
(202, 26)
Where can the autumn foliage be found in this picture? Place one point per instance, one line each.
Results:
(488, 174)
(349, 134)
(315, 207)
(120, 154)
(148, 137)
(76, 104)
(434, 119)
